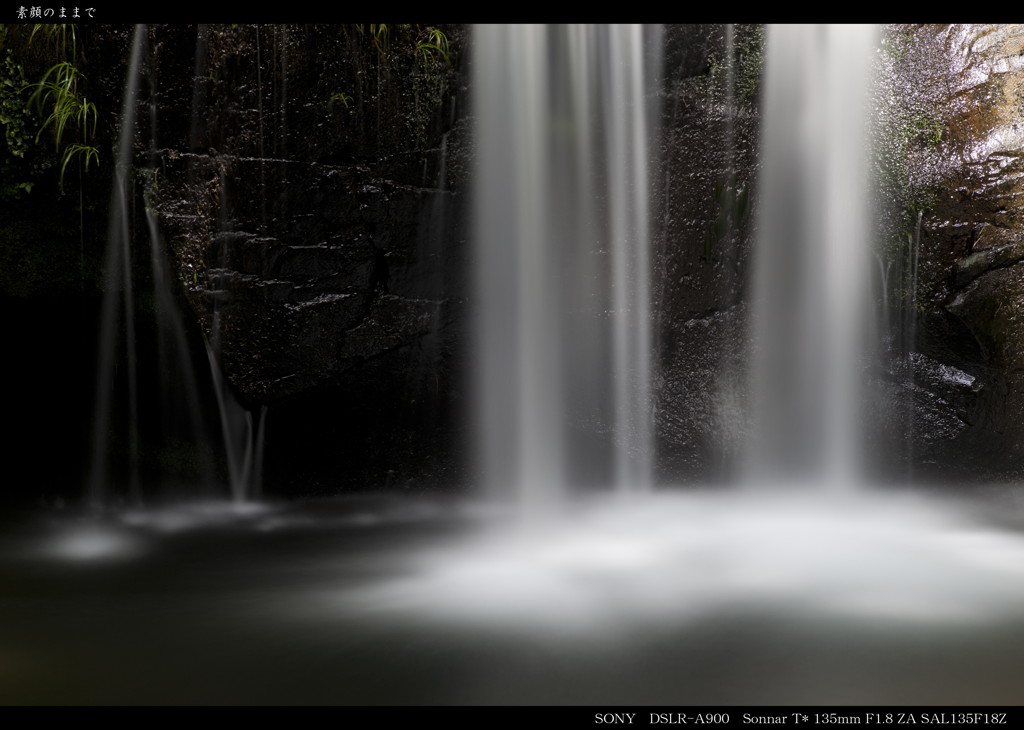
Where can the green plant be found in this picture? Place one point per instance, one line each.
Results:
(57, 97)
(22, 162)
(62, 35)
(13, 113)
(339, 98)
(381, 35)
(72, 150)
(435, 45)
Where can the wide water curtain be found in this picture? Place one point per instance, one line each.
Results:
(562, 264)
(812, 256)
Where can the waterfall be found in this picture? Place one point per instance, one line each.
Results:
(180, 408)
(562, 231)
(164, 435)
(812, 257)
(118, 294)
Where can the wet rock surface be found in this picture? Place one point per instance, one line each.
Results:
(703, 236)
(701, 420)
(963, 89)
(344, 276)
(315, 214)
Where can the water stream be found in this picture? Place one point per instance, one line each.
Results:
(168, 414)
(118, 301)
(563, 260)
(811, 258)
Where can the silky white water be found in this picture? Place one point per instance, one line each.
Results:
(832, 548)
(562, 241)
(812, 258)
(118, 302)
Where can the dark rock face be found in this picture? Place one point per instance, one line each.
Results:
(344, 277)
(707, 170)
(314, 210)
(962, 88)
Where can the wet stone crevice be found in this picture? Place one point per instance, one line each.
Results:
(964, 88)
